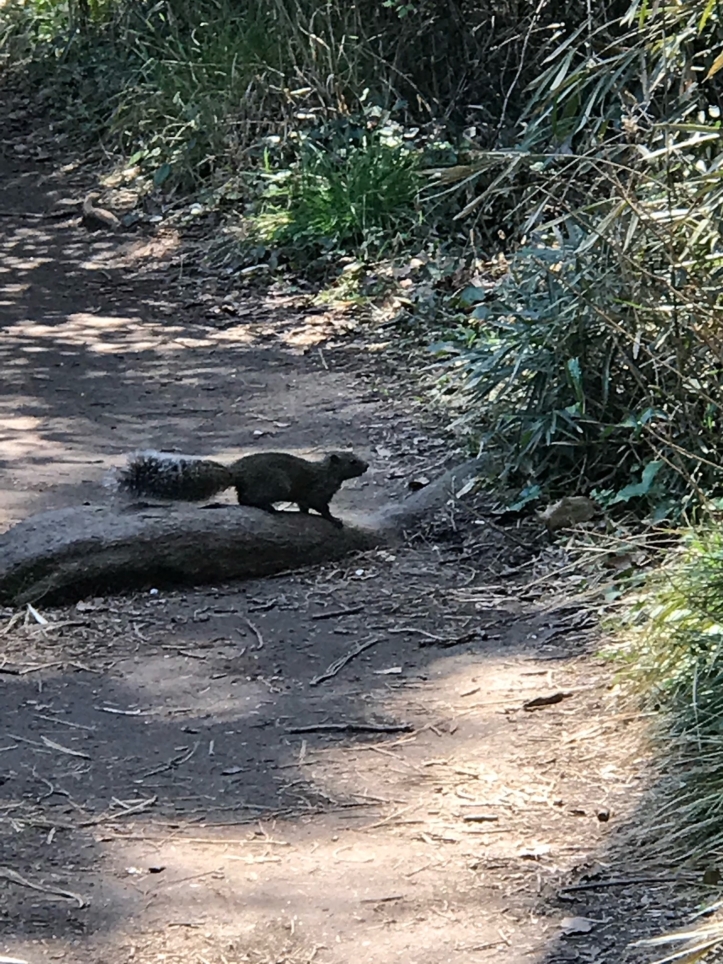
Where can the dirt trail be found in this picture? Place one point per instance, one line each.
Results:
(174, 759)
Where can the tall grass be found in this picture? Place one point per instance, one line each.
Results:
(193, 86)
(673, 654)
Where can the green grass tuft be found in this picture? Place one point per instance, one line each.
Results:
(676, 663)
(363, 197)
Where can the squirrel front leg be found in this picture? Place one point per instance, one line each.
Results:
(323, 511)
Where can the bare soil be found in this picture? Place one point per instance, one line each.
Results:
(194, 776)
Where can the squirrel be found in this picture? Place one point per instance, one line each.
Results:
(96, 218)
(260, 480)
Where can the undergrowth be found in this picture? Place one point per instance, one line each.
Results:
(594, 364)
(192, 88)
(675, 660)
(361, 195)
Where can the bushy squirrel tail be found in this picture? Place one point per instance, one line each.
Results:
(163, 475)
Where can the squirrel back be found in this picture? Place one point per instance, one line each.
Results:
(268, 477)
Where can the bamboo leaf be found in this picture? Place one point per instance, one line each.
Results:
(715, 66)
(710, 6)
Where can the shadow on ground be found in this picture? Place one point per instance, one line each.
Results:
(175, 760)
(105, 348)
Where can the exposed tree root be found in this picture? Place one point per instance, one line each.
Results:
(69, 553)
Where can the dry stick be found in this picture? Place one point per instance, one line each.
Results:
(113, 709)
(16, 671)
(338, 664)
(521, 65)
(338, 612)
(257, 633)
(414, 629)
(353, 728)
(12, 623)
(51, 744)
(53, 719)
(620, 882)
(39, 666)
(15, 878)
(382, 900)
(508, 534)
(680, 470)
(126, 812)
(31, 216)
(174, 762)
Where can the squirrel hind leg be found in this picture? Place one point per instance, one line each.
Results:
(243, 500)
(324, 512)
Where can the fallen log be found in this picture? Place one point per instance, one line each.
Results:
(90, 549)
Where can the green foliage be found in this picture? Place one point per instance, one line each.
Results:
(599, 354)
(195, 86)
(560, 369)
(361, 196)
(172, 85)
(676, 661)
(184, 116)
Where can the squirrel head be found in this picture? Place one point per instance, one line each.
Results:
(348, 462)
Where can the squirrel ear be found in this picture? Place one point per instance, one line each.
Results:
(334, 458)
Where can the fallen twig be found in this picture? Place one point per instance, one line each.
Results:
(39, 619)
(15, 878)
(454, 640)
(113, 709)
(619, 882)
(415, 629)
(540, 701)
(381, 900)
(53, 719)
(353, 728)
(257, 633)
(338, 664)
(38, 667)
(125, 812)
(12, 623)
(173, 762)
(63, 749)
(352, 611)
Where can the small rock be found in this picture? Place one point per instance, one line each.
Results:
(577, 925)
(569, 511)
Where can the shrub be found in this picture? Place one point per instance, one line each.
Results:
(596, 363)
(676, 661)
(361, 196)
